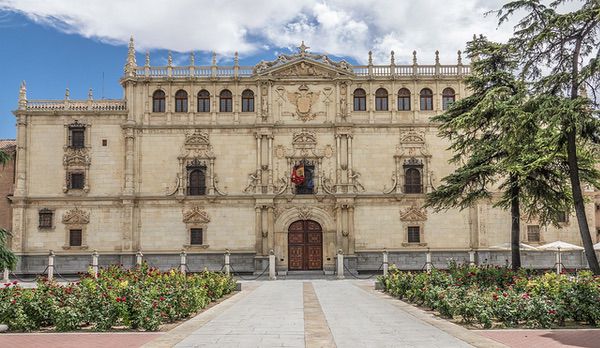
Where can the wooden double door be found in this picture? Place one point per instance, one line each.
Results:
(305, 246)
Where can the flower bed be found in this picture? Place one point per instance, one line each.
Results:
(498, 297)
(140, 299)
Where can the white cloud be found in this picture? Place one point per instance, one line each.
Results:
(339, 27)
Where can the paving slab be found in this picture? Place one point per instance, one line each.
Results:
(581, 338)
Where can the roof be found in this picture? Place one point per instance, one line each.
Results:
(8, 144)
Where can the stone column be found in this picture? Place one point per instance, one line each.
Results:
(271, 226)
(258, 230)
(351, 237)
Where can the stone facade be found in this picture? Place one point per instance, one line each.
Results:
(200, 158)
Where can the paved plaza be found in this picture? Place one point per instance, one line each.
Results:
(313, 313)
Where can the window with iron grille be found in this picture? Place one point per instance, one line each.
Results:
(360, 100)
(158, 101)
(181, 101)
(412, 180)
(414, 234)
(381, 99)
(75, 237)
(426, 99)
(76, 181)
(562, 217)
(196, 236)
(225, 101)
(448, 97)
(403, 100)
(203, 101)
(533, 233)
(77, 135)
(45, 218)
(247, 101)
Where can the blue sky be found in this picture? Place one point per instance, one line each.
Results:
(55, 44)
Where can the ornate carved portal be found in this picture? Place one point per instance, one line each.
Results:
(305, 246)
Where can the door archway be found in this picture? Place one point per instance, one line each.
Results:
(305, 246)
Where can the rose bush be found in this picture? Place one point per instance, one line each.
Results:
(141, 298)
(488, 296)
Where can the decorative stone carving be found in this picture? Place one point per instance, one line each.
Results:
(76, 157)
(343, 100)
(198, 138)
(304, 100)
(304, 213)
(279, 151)
(413, 214)
(304, 139)
(328, 151)
(76, 216)
(195, 215)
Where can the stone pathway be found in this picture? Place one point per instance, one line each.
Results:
(309, 313)
(545, 338)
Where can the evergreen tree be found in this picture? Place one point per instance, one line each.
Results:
(560, 52)
(498, 145)
(7, 258)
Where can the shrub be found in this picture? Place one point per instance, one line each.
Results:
(141, 298)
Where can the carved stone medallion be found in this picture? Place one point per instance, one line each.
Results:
(195, 215)
(304, 100)
(76, 216)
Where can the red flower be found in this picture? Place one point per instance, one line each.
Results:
(123, 299)
(525, 296)
(118, 299)
(504, 294)
(552, 311)
(15, 282)
(162, 298)
(495, 297)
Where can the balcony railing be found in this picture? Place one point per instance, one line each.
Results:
(77, 105)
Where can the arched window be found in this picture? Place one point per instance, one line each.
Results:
(196, 181)
(426, 99)
(247, 101)
(225, 99)
(381, 99)
(181, 101)
(412, 181)
(448, 97)
(203, 101)
(403, 99)
(158, 101)
(360, 100)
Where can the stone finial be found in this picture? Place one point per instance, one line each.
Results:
(67, 94)
(214, 59)
(474, 37)
(192, 59)
(437, 57)
(392, 59)
(90, 94)
(23, 96)
(302, 48)
(459, 53)
(370, 57)
(169, 59)
(414, 57)
(147, 63)
(236, 59)
(131, 63)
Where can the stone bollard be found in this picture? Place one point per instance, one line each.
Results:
(138, 258)
(272, 265)
(428, 261)
(472, 258)
(340, 264)
(182, 261)
(227, 262)
(6, 277)
(51, 265)
(95, 263)
(385, 263)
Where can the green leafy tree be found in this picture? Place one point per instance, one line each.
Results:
(7, 258)
(499, 146)
(560, 51)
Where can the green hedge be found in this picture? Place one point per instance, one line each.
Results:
(498, 297)
(141, 298)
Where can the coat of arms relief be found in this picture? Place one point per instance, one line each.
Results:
(304, 100)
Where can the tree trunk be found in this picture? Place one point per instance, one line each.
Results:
(578, 201)
(584, 229)
(515, 229)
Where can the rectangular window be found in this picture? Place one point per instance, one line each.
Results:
(76, 181)
(77, 137)
(45, 218)
(247, 104)
(196, 236)
(203, 105)
(562, 217)
(75, 237)
(403, 103)
(414, 234)
(225, 105)
(381, 104)
(533, 233)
